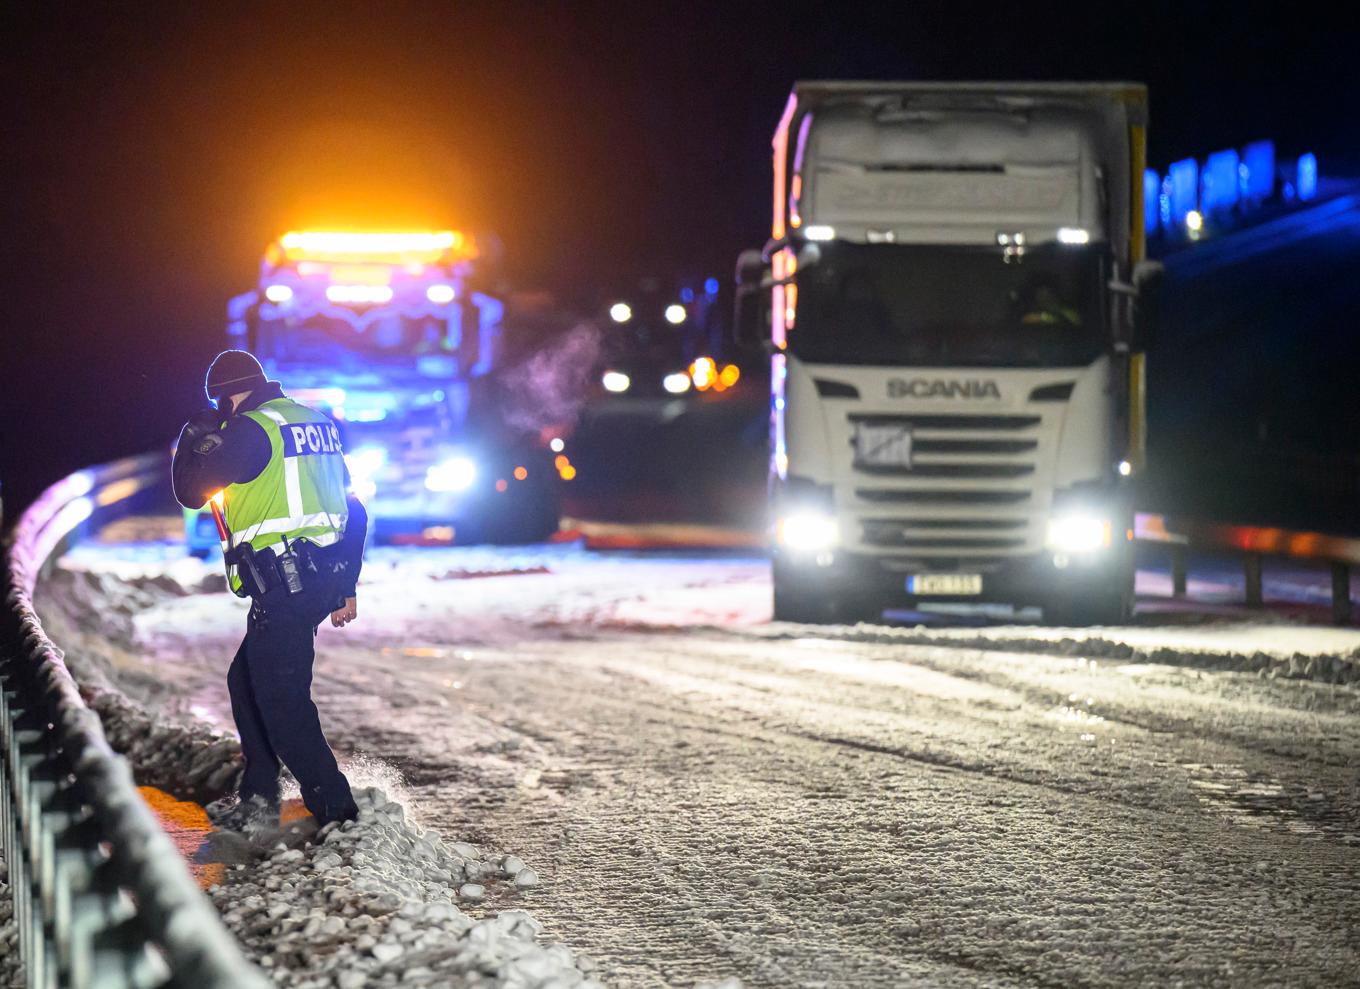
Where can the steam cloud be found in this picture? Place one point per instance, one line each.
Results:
(552, 385)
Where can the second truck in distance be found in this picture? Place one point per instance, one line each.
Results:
(389, 334)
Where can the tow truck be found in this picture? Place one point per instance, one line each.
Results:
(390, 334)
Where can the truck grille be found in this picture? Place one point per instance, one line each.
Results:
(972, 488)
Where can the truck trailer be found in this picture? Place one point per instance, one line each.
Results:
(956, 304)
(390, 335)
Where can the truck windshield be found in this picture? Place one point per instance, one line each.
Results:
(325, 339)
(950, 306)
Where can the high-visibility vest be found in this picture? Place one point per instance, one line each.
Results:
(301, 492)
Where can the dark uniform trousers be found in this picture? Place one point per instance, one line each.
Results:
(270, 682)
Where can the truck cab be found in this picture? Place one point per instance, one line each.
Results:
(389, 334)
(951, 300)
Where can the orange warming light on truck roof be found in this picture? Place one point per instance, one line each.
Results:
(409, 247)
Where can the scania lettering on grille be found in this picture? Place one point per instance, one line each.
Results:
(941, 388)
(311, 438)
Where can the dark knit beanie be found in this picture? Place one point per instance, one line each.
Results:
(233, 371)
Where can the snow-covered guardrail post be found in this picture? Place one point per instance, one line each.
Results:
(101, 895)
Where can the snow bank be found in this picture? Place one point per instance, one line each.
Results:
(375, 902)
(371, 903)
(1265, 648)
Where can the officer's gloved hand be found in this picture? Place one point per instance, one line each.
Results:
(202, 423)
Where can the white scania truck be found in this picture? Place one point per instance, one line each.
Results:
(956, 302)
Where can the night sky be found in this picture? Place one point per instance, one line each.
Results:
(149, 155)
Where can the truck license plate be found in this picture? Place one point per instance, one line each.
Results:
(945, 583)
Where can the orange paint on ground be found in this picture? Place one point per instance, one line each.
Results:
(189, 829)
(292, 810)
(188, 826)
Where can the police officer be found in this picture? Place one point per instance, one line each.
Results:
(295, 545)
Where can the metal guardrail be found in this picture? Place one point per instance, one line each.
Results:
(1255, 544)
(102, 897)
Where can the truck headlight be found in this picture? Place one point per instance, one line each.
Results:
(808, 531)
(1079, 533)
(364, 464)
(677, 383)
(616, 381)
(451, 475)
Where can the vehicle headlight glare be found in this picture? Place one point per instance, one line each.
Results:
(452, 475)
(616, 381)
(808, 531)
(366, 461)
(1079, 533)
(677, 383)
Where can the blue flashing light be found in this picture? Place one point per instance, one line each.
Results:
(436, 366)
(1306, 180)
(1164, 204)
(368, 415)
(1184, 179)
(687, 295)
(711, 286)
(1218, 183)
(1152, 188)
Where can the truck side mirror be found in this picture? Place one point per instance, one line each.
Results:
(750, 321)
(1148, 277)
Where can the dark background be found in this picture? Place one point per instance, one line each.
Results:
(151, 153)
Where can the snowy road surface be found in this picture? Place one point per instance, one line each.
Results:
(705, 795)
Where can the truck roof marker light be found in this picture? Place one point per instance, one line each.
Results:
(729, 375)
(405, 247)
(620, 312)
(819, 231)
(567, 473)
(441, 295)
(1073, 235)
(521, 473)
(278, 293)
(675, 314)
(359, 294)
(556, 444)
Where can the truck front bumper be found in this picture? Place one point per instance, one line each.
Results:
(1032, 579)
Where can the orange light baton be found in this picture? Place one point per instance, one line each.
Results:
(223, 533)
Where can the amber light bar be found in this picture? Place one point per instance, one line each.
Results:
(408, 247)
